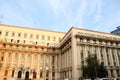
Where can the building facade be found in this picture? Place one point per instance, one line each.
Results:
(27, 53)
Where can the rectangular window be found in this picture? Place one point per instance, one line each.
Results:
(25, 35)
(59, 38)
(48, 37)
(37, 36)
(0, 32)
(11, 40)
(19, 34)
(53, 74)
(24, 41)
(6, 34)
(43, 37)
(18, 41)
(13, 34)
(31, 36)
(54, 38)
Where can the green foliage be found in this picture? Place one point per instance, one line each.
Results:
(93, 69)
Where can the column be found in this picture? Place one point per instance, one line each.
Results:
(38, 63)
(13, 54)
(91, 50)
(111, 58)
(114, 73)
(98, 54)
(116, 57)
(19, 55)
(31, 60)
(109, 73)
(79, 55)
(25, 60)
(85, 54)
(105, 57)
(5, 58)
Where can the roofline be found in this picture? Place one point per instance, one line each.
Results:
(95, 31)
(31, 28)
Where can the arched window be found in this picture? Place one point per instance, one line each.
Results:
(13, 73)
(27, 76)
(34, 75)
(40, 74)
(19, 74)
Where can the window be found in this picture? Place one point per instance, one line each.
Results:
(31, 36)
(88, 40)
(25, 35)
(36, 42)
(41, 74)
(18, 41)
(48, 37)
(37, 36)
(11, 40)
(24, 41)
(0, 32)
(10, 46)
(13, 34)
(43, 37)
(6, 34)
(54, 38)
(59, 38)
(53, 74)
(5, 39)
(6, 72)
(19, 34)
(4, 45)
(17, 46)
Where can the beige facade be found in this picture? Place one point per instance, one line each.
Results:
(51, 55)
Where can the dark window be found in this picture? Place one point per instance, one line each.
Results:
(4, 45)
(19, 34)
(47, 74)
(11, 40)
(34, 75)
(0, 32)
(19, 74)
(23, 41)
(6, 72)
(40, 74)
(36, 42)
(13, 73)
(18, 41)
(53, 74)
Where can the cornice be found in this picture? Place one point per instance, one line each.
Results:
(23, 27)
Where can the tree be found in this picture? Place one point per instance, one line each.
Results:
(102, 71)
(93, 69)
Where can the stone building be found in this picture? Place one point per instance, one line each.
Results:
(51, 55)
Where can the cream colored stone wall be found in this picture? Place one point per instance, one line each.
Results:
(59, 55)
(84, 42)
(22, 54)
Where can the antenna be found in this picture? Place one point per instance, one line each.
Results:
(1, 18)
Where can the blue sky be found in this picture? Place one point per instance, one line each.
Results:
(61, 15)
